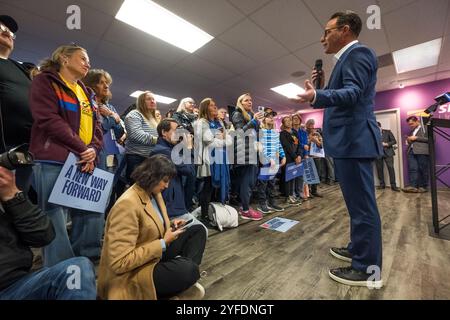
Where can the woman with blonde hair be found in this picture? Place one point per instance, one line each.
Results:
(185, 114)
(245, 162)
(65, 121)
(141, 126)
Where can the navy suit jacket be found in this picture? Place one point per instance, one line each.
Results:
(174, 195)
(350, 129)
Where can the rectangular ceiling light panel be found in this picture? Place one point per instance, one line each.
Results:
(289, 90)
(153, 19)
(158, 98)
(417, 57)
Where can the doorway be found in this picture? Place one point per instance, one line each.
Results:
(390, 120)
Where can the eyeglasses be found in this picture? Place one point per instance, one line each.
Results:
(5, 29)
(328, 31)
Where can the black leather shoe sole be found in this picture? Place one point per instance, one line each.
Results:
(341, 278)
(340, 256)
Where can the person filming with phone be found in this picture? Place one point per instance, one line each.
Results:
(170, 134)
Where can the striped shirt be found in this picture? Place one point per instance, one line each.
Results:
(141, 137)
(270, 141)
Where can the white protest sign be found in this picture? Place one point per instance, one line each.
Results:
(80, 190)
(315, 151)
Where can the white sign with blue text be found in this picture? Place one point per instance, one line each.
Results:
(79, 190)
(315, 151)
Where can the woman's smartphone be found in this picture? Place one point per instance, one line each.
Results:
(186, 224)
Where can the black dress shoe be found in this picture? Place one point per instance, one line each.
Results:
(381, 187)
(352, 277)
(341, 253)
(396, 189)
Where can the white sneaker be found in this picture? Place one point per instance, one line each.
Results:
(196, 292)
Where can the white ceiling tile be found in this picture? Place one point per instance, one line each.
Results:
(110, 7)
(390, 5)
(181, 79)
(223, 55)
(375, 39)
(276, 73)
(205, 69)
(447, 29)
(248, 6)
(250, 55)
(125, 58)
(252, 41)
(29, 14)
(419, 22)
(388, 71)
(213, 17)
(310, 54)
(297, 20)
(323, 9)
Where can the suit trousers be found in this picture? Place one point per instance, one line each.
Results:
(355, 177)
(179, 266)
(418, 170)
(380, 170)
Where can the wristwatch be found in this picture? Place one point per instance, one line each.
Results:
(19, 197)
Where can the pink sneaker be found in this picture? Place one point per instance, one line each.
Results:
(251, 214)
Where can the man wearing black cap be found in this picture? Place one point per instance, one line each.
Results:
(15, 115)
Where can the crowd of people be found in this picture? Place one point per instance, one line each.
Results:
(63, 106)
(147, 242)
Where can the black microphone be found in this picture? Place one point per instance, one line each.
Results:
(318, 68)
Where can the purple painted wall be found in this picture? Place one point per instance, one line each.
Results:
(414, 98)
(409, 99)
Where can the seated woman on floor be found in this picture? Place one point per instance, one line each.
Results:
(143, 256)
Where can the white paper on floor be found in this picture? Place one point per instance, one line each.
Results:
(279, 224)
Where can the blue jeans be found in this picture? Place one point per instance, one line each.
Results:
(87, 227)
(418, 170)
(247, 176)
(72, 279)
(189, 189)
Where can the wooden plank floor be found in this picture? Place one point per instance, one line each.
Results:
(250, 262)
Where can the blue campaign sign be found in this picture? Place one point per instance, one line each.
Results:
(109, 144)
(315, 151)
(293, 171)
(79, 190)
(310, 175)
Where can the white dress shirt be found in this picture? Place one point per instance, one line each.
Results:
(336, 58)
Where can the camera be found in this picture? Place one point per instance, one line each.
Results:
(17, 157)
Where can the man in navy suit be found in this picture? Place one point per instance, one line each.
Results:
(352, 139)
